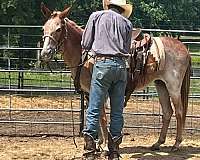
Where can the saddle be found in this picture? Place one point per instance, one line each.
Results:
(140, 52)
(141, 60)
(139, 38)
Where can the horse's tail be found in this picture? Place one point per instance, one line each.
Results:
(185, 91)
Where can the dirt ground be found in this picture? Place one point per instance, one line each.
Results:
(54, 148)
(136, 145)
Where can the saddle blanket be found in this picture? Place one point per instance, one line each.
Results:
(157, 50)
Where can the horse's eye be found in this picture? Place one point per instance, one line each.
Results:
(58, 30)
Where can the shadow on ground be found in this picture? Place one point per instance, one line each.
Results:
(145, 153)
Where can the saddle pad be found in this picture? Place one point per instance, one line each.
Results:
(157, 50)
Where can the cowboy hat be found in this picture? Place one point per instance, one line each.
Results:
(121, 3)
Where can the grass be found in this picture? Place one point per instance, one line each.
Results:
(59, 80)
(196, 61)
(62, 80)
(194, 86)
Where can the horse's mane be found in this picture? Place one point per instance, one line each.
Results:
(75, 26)
(77, 30)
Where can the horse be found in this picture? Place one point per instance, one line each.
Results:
(172, 83)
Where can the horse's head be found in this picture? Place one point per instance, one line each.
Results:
(54, 32)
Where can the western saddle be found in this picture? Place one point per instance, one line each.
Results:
(140, 50)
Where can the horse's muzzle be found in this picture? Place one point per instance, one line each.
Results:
(47, 55)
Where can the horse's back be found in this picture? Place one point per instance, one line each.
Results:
(174, 45)
(176, 54)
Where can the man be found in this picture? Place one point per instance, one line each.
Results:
(108, 34)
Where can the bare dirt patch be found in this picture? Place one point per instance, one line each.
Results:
(135, 144)
(53, 148)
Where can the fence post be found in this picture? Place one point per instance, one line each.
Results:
(21, 64)
(82, 114)
(147, 92)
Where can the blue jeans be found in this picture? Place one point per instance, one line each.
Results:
(109, 78)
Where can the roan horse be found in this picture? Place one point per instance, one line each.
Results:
(172, 83)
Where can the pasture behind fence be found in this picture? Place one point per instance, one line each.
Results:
(35, 101)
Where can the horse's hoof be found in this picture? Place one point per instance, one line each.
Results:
(155, 147)
(175, 149)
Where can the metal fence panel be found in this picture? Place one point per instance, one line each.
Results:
(35, 101)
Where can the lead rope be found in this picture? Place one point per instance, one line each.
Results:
(73, 126)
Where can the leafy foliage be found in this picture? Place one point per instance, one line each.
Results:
(163, 14)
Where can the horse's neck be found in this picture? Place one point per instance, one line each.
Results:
(72, 49)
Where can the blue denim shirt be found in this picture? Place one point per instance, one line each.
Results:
(107, 32)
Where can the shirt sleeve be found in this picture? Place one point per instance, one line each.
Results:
(129, 38)
(88, 34)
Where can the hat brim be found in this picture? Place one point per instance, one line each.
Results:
(128, 8)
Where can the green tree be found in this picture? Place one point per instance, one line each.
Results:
(148, 14)
(184, 14)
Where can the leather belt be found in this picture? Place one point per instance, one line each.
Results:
(111, 57)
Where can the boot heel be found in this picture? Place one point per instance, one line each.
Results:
(89, 147)
(113, 146)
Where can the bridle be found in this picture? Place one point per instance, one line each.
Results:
(51, 37)
(59, 42)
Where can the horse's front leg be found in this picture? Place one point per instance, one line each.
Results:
(127, 97)
(103, 135)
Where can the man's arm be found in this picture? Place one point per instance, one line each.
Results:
(88, 34)
(129, 37)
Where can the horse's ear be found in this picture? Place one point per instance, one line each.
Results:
(64, 13)
(45, 11)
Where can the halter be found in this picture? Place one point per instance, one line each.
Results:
(58, 43)
(51, 37)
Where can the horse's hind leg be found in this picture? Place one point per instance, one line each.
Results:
(167, 112)
(176, 99)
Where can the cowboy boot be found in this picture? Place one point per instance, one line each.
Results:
(113, 146)
(89, 147)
